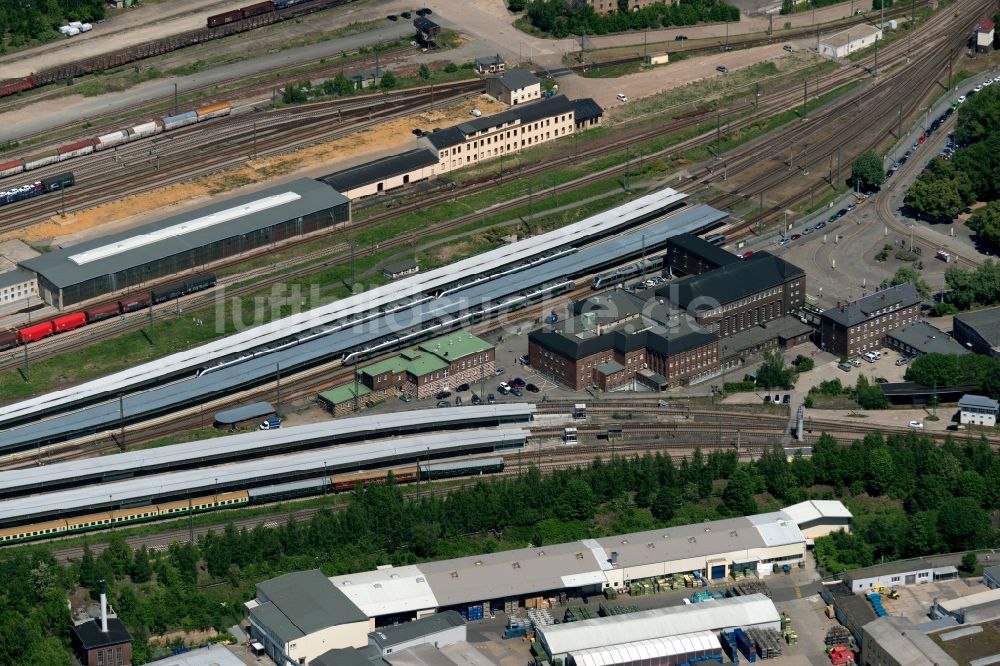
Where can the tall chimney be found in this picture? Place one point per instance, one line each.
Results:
(104, 608)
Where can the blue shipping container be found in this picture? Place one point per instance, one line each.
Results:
(718, 571)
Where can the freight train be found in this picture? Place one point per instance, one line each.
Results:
(96, 313)
(276, 493)
(282, 10)
(252, 10)
(116, 138)
(33, 189)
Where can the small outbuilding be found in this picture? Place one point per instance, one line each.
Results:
(515, 87)
(978, 410)
(894, 574)
(440, 629)
(816, 518)
(984, 35)
(426, 28)
(493, 64)
(398, 269)
(842, 44)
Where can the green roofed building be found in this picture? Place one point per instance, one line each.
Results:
(420, 372)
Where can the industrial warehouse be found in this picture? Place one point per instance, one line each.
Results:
(507, 581)
(187, 242)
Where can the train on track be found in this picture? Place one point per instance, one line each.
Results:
(227, 500)
(250, 11)
(114, 139)
(37, 187)
(283, 10)
(637, 269)
(41, 330)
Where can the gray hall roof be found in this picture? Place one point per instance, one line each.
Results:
(518, 78)
(731, 282)
(408, 631)
(860, 311)
(525, 113)
(16, 276)
(308, 601)
(380, 169)
(586, 109)
(927, 339)
(699, 247)
(981, 401)
(59, 269)
(985, 322)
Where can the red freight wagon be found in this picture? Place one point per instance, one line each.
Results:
(14, 87)
(223, 19)
(69, 322)
(100, 312)
(259, 8)
(134, 303)
(34, 333)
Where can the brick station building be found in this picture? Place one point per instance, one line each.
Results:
(853, 328)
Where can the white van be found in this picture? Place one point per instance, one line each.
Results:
(873, 356)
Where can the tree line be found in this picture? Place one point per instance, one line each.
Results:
(560, 18)
(949, 187)
(910, 496)
(28, 21)
(969, 288)
(957, 369)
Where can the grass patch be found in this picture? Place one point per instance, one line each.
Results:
(613, 71)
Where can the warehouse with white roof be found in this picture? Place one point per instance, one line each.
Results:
(569, 639)
(818, 518)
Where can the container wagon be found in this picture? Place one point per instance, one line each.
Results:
(133, 303)
(41, 159)
(77, 149)
(69, 322)
(55, 183)
(180, 120)
(11, 168)
(102, 312)
(111, 140)
(224, 18)
(34, 333)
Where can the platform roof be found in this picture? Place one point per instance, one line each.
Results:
(178, 233)
(244, 413)
(380, 169)
(261, 442)
(252, 472)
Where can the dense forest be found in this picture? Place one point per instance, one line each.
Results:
(947, 187)
(909, 495)
(27, 21)
(560, 18)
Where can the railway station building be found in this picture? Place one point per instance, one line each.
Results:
(187, 243)
(739, 295)
(511, 131)
(689, 254)
(855, 327)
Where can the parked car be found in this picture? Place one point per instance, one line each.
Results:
(788, 47)
(405, 397)
(747, 254)
(787, 399)
(622, 97)
(902, 360)
(424, 11)
(531, 388)
(406, 15)
(392, 17)
(917, 424)
(784, 241)
(722, 69)
(498, 372)
(444, 403)
(504, 387)
(855, 362)
(461, 387)
(767, 399)
(517, 392)
(680, 38)
(795, 237)
(458, 401)
(476, 400)
(518, 382)
(443, 394)
(491, 398)
(820, 225)
(846, 367)
(524, 359)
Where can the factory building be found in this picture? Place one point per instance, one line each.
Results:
(577, 640)
(738, 296)
(301, 615)
(979, 331)
(439, 630)
(189, 242)
(894, 574)
(896, 641)
(504, 580)
(509, 132)
(851, 329)
(817, 518)
(843, 43)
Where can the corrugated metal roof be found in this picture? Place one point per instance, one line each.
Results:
(262, 442)
(574, 637)
(214, 654)
(408, 631)
(310, 601)
(981, 401)
(810, 510)
(388, 591)
(686, 645)
(900, 638)
(59, 268)
(16, 276)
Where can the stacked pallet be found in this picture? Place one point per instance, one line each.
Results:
(768, 641)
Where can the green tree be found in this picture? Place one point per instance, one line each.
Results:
(787, 7)
(425, 72)
(868, 395)
(665, 503)
(451, 68)
(773, 373)
(986, 223)
(963, 524)
(934, 198)
(576, 501)
(88, 569)
(293, 94)
(738, 493)
(866, 172)
(342, 85)
(388, 81)
(516, 5)
(905, 274)
(142, 571)
(880, 471)
(922, 535)
(969, 563)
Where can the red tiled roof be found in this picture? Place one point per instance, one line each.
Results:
(986, 26)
